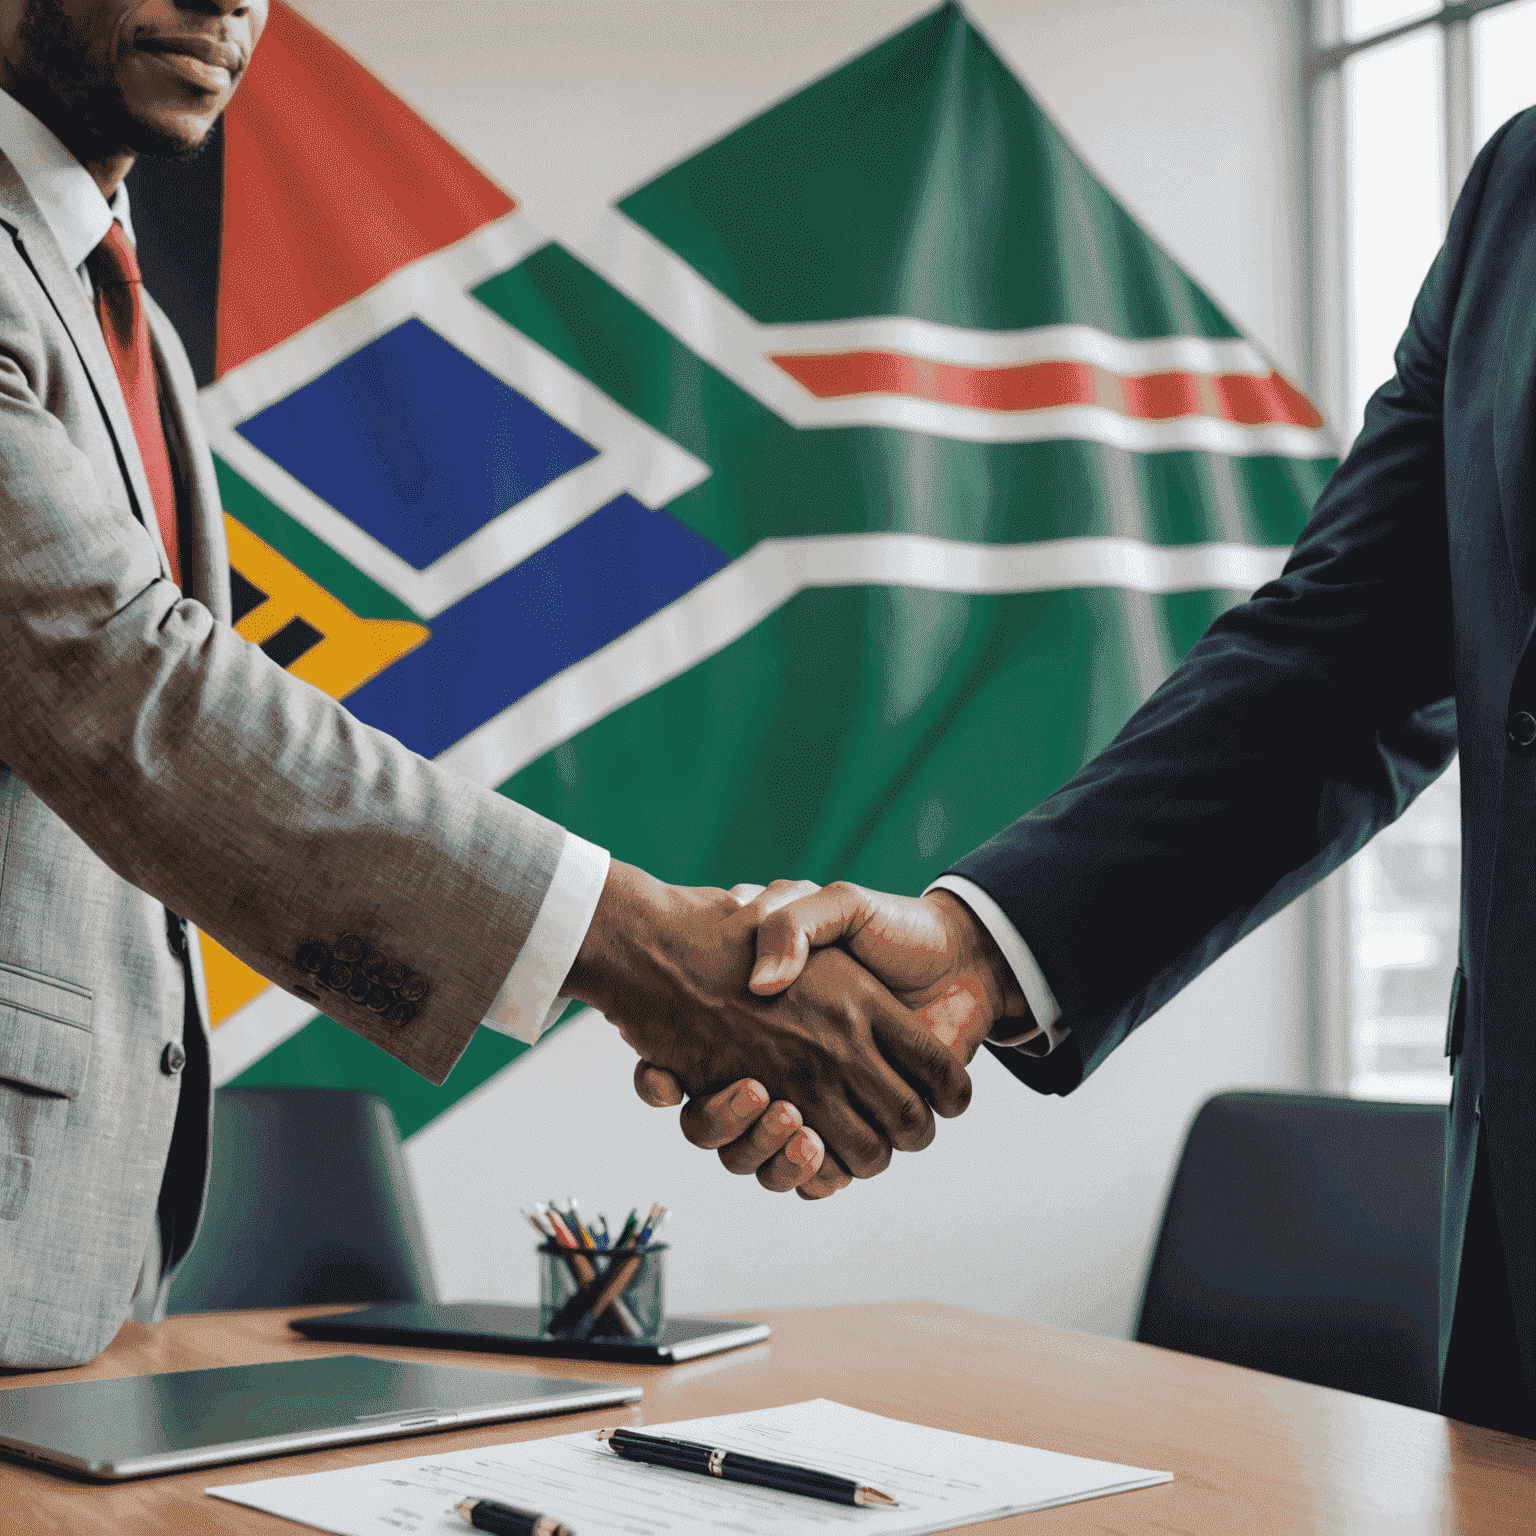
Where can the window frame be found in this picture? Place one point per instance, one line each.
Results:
(1328, 332)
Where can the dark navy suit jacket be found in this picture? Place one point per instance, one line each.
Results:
(1310, 716)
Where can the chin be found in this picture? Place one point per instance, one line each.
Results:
(167, 135)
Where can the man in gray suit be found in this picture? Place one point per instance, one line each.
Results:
(163, 776)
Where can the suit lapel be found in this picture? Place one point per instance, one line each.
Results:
(205, 549)
(1514, 419)
(34, 241)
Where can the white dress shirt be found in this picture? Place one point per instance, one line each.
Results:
(79, 218)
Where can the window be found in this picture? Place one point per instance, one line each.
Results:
(1403, 95)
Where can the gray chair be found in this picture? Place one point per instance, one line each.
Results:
(309, 1201)
(1302, 1237)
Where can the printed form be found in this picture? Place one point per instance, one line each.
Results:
(941, 1479)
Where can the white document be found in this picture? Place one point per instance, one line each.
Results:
(941, 1480)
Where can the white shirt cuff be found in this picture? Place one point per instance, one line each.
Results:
(529, 1000)
(1048, 1033)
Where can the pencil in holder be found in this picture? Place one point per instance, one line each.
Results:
(590, 1293)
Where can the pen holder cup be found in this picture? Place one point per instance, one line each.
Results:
(586, 1293)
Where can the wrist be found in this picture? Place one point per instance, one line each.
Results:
(627, 910)
(989, 976)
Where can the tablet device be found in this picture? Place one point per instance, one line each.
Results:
(495, 1325)
(130, 1426)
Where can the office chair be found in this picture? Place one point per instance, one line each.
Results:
(309, 1200)
(1302, 1237)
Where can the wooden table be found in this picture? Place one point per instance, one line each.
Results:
(1249, 1453)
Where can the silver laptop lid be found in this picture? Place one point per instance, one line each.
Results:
(130, 1426)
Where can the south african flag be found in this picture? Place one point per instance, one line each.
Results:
(821, 512)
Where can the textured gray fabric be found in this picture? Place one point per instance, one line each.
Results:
(158, 760)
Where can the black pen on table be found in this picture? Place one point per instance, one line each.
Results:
(503, 1520)
(734, 1467)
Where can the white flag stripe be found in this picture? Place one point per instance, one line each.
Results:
(273, 375)
(247, 1034)
(736, 599)
(660, 470)
(945, 565)
(658, 281)
(661, 283)
(1010, 349)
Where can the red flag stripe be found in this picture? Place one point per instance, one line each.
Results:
(331, 183)
(1246, 399)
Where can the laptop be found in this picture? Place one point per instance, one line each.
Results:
(490, 1325)
(132, 1426)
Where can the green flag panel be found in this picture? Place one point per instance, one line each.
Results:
(868, 733)
(920, 179)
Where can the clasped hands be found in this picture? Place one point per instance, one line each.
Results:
(812, 1029)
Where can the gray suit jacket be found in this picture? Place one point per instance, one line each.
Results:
(158, 761)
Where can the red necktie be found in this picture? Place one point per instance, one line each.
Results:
(114, 270)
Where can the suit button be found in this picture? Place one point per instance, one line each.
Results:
(314, 957)
(1522, 728)
(172, 1059)
(349, 949)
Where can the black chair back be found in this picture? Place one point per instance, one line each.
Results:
(1302, 1237)
(309, 1201)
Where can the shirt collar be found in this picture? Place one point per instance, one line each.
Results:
(68, 198)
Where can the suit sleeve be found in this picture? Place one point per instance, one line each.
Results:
(237, 795)
(1302, 722)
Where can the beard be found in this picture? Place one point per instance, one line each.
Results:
(59, 63)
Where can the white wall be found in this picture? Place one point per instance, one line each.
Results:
(1033, 1207)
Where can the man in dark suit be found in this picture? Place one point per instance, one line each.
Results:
(1304, 721)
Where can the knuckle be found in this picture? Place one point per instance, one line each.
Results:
(936, 1055)
(917, 1133)
(737, 1160)
(775, 931)
(779, 1125)
(868, 1155)
(697, 1129)
(928, 1053)
(803, 1071)
(826, 1183)
(952, 1096)
(766, 1139)
(772, 1177)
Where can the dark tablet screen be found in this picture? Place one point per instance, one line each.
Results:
(487, 1325)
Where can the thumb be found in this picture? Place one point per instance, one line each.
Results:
(656, 1086)
(786, 936)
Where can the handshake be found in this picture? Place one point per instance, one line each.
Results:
(813, 1029)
